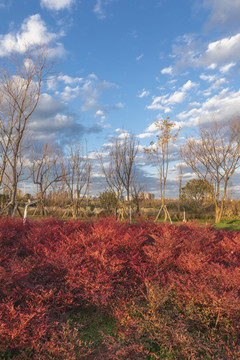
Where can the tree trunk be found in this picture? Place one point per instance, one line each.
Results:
(73, 210)
(218, 213)
(13, 199)
(43, 212)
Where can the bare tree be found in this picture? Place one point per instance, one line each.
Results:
(110, 173)
(159, 150)
(120, 168)
(46, 171)
(20, 85)
(77, 176)
(136, 189)
(119, 171)
(214, 157)
(125, 153)
(179, 180)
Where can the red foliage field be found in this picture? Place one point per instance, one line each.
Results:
(173, 291)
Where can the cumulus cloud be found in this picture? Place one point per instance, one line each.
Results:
(209, 78)
(219, 83)
(124, 135)
(223, 51)
(225, 69)
(90, 96)
(223, 13)
(188, 86)
(222, 54)
(48, 106)
(53, 81)
(57, 4)
(33, 32)
(167, 70)
(69, 80)
(144, 135)
(223, 106)
(70, 93)
(100, 114)
(144, 93)
(163, 102)
(91, 92)
(51, 122)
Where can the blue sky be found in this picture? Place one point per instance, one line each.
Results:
(122, 65)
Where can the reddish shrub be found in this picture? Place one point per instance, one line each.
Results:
(174, 290)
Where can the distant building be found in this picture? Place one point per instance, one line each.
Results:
(130, 198)
(19, 193)
(7, 191)
(81, 196)
(146, 196)
(149, 196)
(141, 196)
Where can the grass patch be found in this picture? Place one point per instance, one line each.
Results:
(228, 225)
(94, 325)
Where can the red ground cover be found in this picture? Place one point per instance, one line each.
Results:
(173, 290)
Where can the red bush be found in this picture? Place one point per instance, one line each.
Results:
(174, 290)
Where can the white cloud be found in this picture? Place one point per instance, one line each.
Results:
(124, 135)
(208, 78)
(139, 57)
(33, 32)
(90, 95)
(212, 66)
(69, 80)
(119, 106)
(223, 54)
(219, 83)
(224, 13)
(99, 8)
(99, 113)
(102, 119)
(70, 93)
(224, 69)
(216, 83)
(144, 93)
(93, 76)
(167, 70)
(57, 4)
(91, 91)
(144, 135)
(176, 98)
(53, 81)
(188, 86)
(48, 105)
(222, 106)
(151, 128)
(224, 51)
(194, 104)
(163, 102)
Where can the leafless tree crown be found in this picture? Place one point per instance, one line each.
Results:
(215, 156)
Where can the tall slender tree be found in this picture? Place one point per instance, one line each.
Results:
(119, 170)
(21, 80)
(159, 150)
(47, 170)
(77, 176)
